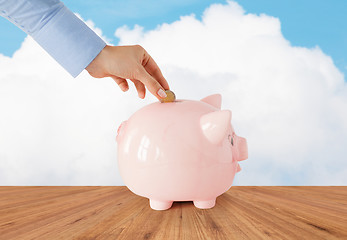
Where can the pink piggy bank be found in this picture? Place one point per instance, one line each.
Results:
(180, 151)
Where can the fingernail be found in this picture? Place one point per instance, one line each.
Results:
(161, 93)
(141, 95)
(125, 88)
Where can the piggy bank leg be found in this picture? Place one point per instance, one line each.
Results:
(160, 205)
(205, 204)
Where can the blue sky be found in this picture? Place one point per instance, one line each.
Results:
(304, 23)
(289, 102)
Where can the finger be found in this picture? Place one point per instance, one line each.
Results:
(152, 85)
(141, 89)
(152, 68)
(122, 83)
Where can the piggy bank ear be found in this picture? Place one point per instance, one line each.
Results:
(214, 100)
(214, 125)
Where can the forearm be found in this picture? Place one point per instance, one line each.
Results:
(63, 35)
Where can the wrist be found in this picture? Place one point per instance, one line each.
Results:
(96, 67)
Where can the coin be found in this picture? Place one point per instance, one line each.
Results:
(170, 97)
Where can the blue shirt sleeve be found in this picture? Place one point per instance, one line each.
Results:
(60, 32)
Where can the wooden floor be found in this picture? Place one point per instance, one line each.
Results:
(116, 213)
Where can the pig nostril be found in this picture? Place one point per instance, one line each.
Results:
(231, 139)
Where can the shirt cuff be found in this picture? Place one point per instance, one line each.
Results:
(69, 41)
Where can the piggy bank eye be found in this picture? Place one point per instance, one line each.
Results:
(231, 139)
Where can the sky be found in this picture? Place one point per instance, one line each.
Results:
(305, 23)
(281, 75)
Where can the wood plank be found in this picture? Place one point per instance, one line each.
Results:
(281, 212)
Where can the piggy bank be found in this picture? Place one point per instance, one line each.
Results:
(180, 151)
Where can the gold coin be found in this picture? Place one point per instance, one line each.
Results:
(170, 97)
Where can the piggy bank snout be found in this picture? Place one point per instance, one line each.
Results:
(181, 151)
(242, 148)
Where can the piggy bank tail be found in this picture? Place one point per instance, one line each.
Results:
(120, 131)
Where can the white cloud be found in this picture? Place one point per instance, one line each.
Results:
(289, 102)
(56, 130)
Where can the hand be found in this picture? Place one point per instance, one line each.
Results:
(130, 62)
